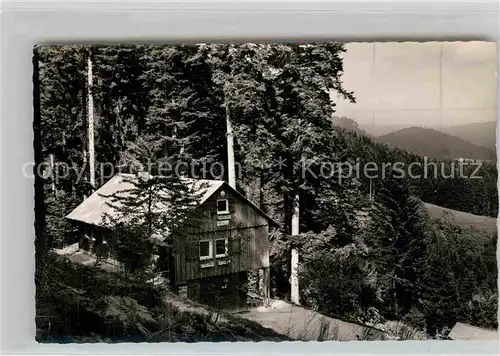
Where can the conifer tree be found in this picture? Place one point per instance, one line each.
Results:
(146, 215)
(184, 118)
(121, 98)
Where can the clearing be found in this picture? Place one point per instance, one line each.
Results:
(462, 219)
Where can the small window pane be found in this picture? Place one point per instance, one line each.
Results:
(222, 205)
(204, 248)
(220, 247)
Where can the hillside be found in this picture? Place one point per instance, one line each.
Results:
(118, 308)
(462, 219)
(482, 134)
(435, 144)
(476, 196)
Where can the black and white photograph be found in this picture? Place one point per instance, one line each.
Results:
(223, 192)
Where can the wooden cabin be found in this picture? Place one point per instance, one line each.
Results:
(212, 257)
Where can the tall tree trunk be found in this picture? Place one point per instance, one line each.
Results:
(41, 243)
(84, 134)
(91, 123)
(371, 190)
(294, 280)
(231, 175)
(52, 174)
(261, 190)
(181, 149)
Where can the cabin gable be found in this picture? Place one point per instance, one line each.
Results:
(239, 213)
(227, 235)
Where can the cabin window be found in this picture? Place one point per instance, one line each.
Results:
(206, 250)
(222, 206)
(221, 248)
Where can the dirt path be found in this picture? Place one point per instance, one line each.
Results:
(302, 324)
(286, 319)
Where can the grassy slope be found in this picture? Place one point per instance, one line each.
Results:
(464, 220)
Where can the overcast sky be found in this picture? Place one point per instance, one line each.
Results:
(400, 83)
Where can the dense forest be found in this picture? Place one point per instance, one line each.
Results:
(368, 250)
(441, 180)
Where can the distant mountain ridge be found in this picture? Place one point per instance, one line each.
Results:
(482, 134)
(475, 140)
(435, 144)
(381, 129)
